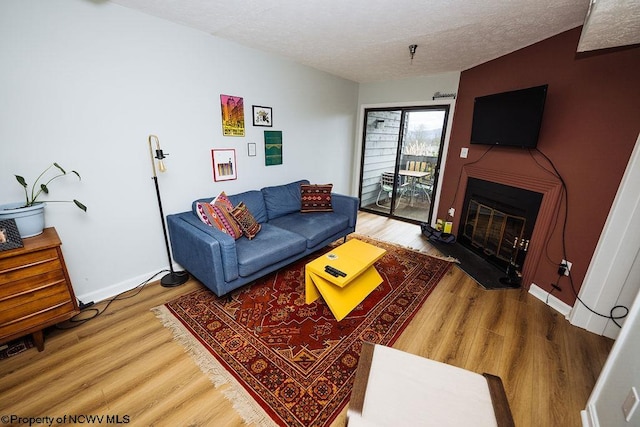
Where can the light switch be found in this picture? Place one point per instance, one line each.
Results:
(464, 152)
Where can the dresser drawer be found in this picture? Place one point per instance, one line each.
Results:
(28, 265)
(30, 284)
(22, 305)
(37, 320)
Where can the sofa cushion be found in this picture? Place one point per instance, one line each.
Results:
(250, 227)
(316, 198)
(270, 246)
(282, 199)
(255, 203)
(315, 226)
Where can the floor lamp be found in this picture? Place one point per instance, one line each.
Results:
(173, 278)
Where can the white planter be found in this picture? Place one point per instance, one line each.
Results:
(30, 220)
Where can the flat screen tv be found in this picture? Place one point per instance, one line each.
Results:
(509, 118)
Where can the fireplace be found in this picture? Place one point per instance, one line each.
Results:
(537, 229)
(497, 223)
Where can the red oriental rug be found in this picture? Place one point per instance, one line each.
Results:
(289, 363)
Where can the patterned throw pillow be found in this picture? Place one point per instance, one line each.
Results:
(207, 214)
(316, 198)
(223, 200)
(218, 214)
(229, 224)
(246, 221)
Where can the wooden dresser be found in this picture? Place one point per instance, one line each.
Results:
(35, 290)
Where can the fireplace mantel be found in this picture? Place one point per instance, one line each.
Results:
(551, 190)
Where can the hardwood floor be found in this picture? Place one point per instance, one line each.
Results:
(126, 363)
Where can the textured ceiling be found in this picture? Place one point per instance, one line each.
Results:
(611, 23)
(368, 40)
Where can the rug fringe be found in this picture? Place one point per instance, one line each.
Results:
(248, 409)
(446, 258)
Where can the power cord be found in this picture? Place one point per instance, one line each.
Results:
(553, 228)
(610, 316)
(76, 321)
(455, 194)
(554, 287)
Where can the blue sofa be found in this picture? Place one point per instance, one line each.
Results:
(223, 264)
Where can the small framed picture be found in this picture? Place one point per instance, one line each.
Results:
(262, 116)
(224, 164)
(9, 235)
(251, 149)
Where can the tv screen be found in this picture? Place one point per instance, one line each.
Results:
(509, 118)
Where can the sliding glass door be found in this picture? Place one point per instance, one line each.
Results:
(401, 160)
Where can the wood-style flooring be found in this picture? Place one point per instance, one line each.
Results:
(125, 363)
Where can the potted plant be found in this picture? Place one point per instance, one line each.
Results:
(29, 214)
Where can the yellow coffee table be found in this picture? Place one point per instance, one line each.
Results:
(342, 294)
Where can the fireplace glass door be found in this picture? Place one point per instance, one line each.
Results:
(495, 232)
(497, 222)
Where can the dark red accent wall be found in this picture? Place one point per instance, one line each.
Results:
(590, 125)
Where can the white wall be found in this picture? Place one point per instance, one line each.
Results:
(84, 83)
(414, 91)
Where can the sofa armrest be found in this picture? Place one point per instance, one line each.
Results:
(346, 205)
(204, 251)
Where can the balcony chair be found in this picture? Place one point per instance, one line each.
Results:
(386, 186)
(423, 186)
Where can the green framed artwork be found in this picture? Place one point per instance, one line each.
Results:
(272, 147)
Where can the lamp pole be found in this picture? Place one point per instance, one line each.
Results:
(173, 278)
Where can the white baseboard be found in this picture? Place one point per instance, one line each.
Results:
(553, 302)
(589, 416)
(118, 288)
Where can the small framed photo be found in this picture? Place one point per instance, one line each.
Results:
(262, 116)
(224, 164)
(251, 149)
(9, 235)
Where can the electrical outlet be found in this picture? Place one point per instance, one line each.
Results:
(567, 265)
(464, 152)
(452, 212)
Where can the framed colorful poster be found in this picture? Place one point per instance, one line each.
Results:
(232, 108)
(272, 147)
(224, 164)
(262, 116)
